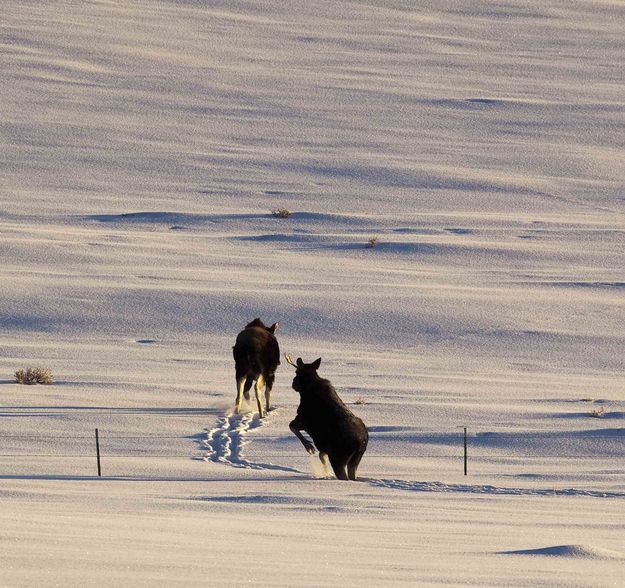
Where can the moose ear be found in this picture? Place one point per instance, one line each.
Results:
(299, 362)
(315, 364)
(273, 328)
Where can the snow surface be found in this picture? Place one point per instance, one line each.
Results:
(143, 148)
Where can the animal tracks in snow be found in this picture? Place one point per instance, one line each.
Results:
(226, 441)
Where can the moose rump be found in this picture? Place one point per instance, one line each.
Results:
(256, 358)
(337, 433)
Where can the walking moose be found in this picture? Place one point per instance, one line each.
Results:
(256, 358)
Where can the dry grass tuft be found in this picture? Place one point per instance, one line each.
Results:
(360, 400)
(281, 213)
(373, 242)
(598, 412)
(32, 376)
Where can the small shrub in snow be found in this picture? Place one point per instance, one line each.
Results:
(360, 400)
(598, 412)
(281, 213)
(373, 242)
(34, 376)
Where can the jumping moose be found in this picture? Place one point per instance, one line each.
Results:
(337, 433)
(256, 358)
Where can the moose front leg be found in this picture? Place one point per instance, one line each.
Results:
(296, 426)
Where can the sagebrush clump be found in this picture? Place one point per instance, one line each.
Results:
(31, 376)
(281, 213)
(598, 412)
(373, 242)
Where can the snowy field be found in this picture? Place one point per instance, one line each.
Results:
(143, 148)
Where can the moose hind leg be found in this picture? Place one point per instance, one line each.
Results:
(323, 457)
(338, 465)
(257, 389)
(240, 387)
(352, 464)
(246, 389)
(268, 388)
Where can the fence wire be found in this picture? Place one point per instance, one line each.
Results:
(478, 442)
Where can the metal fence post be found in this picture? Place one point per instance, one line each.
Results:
(465, 451)
(97, 449)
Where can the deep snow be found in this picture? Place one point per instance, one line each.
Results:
(143, 148)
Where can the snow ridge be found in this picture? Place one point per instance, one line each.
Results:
(574, 551)
(488, 489)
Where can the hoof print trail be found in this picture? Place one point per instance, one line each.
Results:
(226, 441)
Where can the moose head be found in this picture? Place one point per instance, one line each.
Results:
(305, 373)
